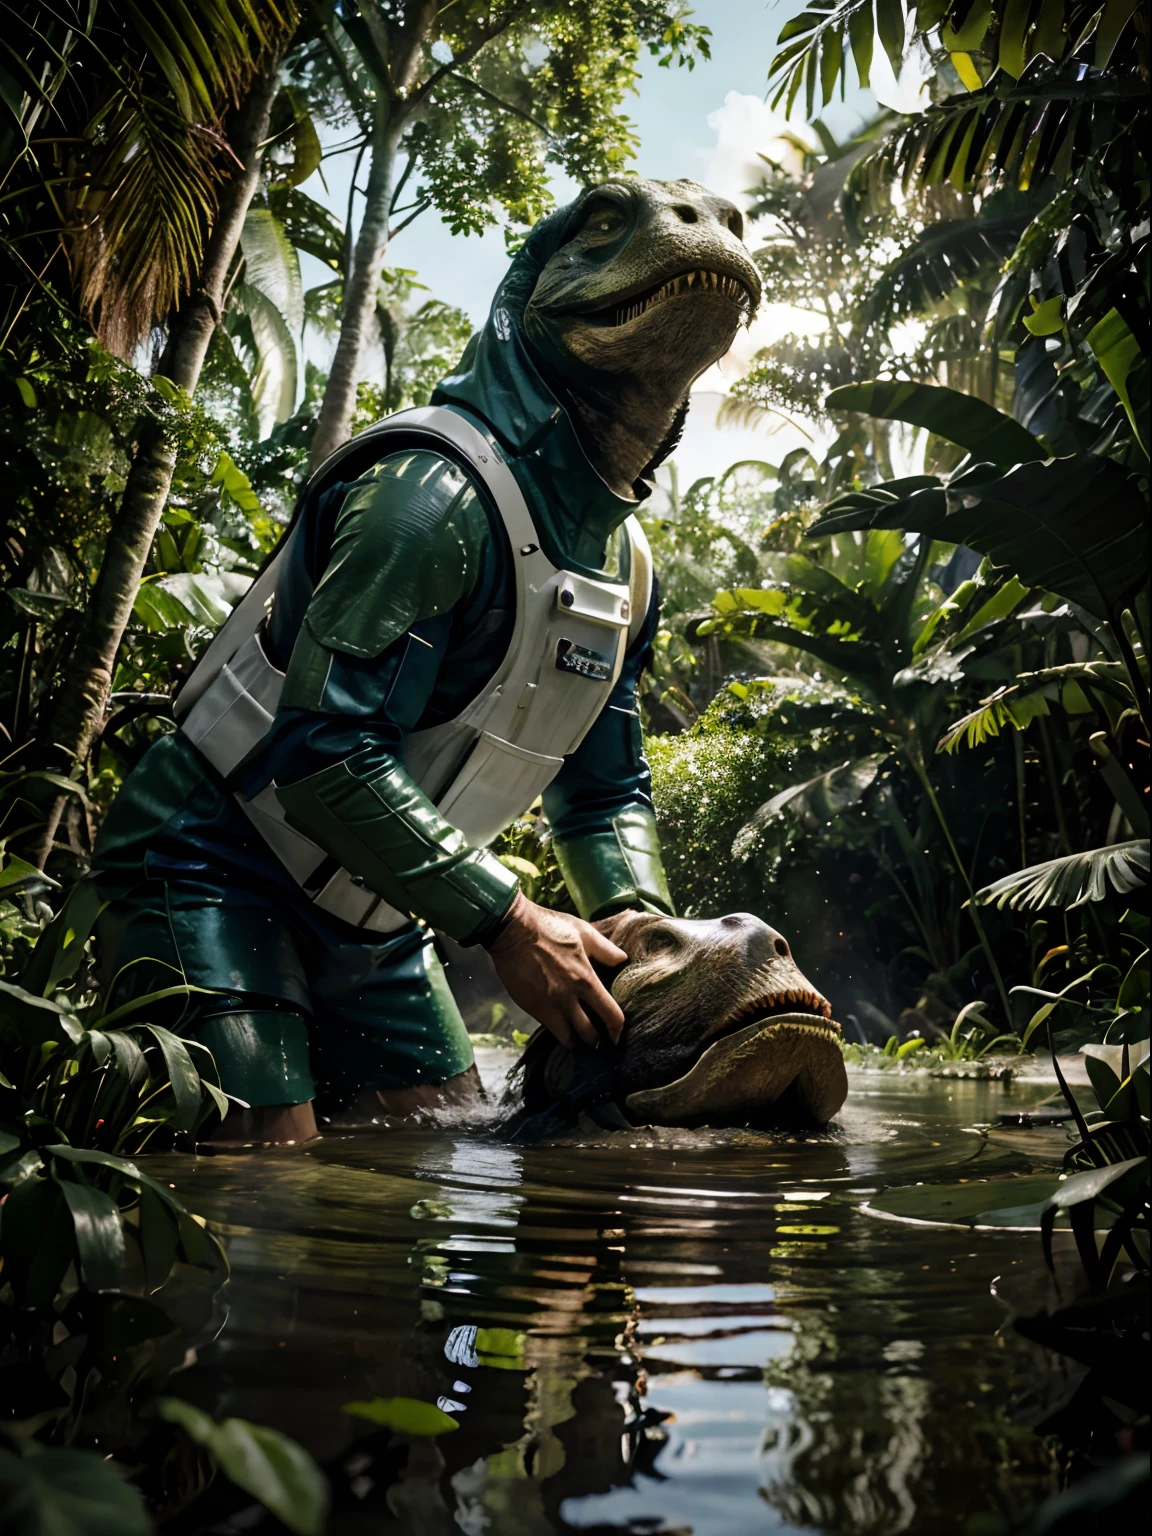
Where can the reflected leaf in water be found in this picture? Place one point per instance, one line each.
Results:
(408, 1415)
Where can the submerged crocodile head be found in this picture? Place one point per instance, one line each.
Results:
(721, 1028)
(648, 289)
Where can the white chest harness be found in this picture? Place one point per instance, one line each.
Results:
(487, 766)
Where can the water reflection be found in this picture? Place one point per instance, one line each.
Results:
(658, 1333)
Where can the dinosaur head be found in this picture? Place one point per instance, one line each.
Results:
(646, 290)
(721, 1027)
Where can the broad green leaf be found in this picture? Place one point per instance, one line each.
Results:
(183, 1076)
(159, 1238)
(42, 605)
(68, 1493)
(1119, 355)
(831, 60)
(969, 35)
(861, 35)
(1111, 25)
(309, 226)
(99, 1234)
(61, 948)
(967, 71)
(35, 1020)
(1104, 1081)
(891, 30)
(1092, 1184)
(274, 384)
(408, 1415)
(1013, 49)
(160, 610)
(235, 483)
(1041, 521)
(999, 606)
(36, 1240)
(265, 1463)
(973, 425)
(307, 153)
(1046, 319)
(116, 1324)
(1072, 880)
(17, 872)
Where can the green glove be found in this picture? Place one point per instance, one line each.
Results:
(608, 871)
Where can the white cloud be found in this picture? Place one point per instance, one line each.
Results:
(909, 93)
(745, 126)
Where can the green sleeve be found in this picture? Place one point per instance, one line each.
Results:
(367, 813)
(408, 544)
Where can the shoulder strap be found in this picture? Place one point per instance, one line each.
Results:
(429, 426)
(639, 578)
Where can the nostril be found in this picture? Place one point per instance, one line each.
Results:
(685, 212)
(736, 223)
(781, 946)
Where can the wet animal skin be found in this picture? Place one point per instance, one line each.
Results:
(721, 1028)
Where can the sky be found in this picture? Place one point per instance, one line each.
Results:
(706, 124)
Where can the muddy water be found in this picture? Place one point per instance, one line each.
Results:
(659, 1333)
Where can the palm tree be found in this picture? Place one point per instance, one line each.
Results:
(130, 183)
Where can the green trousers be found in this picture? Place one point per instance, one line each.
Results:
(298, 1006)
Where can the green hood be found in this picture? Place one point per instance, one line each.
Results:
(516, 389)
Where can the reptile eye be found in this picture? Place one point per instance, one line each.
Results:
(662, 942)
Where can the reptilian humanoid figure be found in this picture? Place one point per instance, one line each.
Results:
(455, 624)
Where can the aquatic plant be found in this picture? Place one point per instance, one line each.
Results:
(101, 1266)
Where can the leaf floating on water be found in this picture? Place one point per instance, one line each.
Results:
(408, 1415)
(966, 1204)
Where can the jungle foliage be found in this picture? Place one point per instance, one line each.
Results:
(899, 698)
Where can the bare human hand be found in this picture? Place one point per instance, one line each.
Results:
(544, 961)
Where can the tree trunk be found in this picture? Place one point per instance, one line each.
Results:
(79, 707)
(339, 402)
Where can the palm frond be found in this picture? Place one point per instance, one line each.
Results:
(1010, 133)
(137, 233)
(1073, 880)
(940, 258)
(1010, 707)
(813, 804)
(982, 41)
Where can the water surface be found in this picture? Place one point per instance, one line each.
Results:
(660, 1332)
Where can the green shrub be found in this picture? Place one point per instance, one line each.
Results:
(706, 783)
